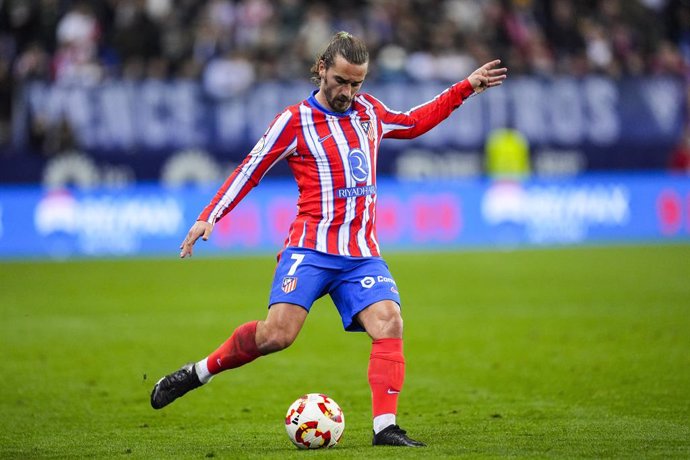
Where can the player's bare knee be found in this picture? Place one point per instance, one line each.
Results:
(394, 327)
(271, 338)
(388, 326)
(276, 340)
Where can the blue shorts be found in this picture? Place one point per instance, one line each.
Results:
(304, 275)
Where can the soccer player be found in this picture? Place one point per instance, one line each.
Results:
(330, 141)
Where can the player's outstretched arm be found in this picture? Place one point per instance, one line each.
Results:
(487, 76)
(200, 229)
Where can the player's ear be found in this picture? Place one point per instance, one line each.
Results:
(322, 69)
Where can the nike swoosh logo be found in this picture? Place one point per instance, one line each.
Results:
(323, 139)
(392, 392)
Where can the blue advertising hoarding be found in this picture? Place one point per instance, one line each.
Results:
(147, 220)
(161, 115)
(154, 130)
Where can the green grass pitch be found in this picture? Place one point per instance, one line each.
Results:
(554, 353)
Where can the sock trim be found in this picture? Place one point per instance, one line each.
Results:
(202, 371)
(383, 421)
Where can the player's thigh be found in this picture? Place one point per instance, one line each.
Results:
(365, 285)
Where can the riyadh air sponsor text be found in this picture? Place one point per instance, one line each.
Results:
(353, 192)
(556, 213)
(108, 224)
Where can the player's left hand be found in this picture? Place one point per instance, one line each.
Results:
(488, 76)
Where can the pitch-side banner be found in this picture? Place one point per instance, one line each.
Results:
(151, 220)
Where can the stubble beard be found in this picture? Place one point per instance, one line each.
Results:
(338, 104)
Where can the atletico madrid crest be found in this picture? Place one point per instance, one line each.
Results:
(366, 125)
(289, 284)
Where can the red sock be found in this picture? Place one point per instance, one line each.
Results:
(386, 375)
(238, 350)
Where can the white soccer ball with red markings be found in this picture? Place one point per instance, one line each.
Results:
(314, 421)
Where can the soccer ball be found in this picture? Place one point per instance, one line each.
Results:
(314, 421)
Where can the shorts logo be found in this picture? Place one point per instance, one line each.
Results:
(385, 279)
(367, 282)
(289, 284)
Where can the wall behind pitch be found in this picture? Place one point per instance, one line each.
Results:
(151, 220)
(127, 132)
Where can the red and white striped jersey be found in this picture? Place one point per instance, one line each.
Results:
(333, 158)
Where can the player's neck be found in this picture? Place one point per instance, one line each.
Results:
(321, 99)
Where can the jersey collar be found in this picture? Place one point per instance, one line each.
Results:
(314, 103)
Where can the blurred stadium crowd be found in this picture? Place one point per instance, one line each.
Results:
(248, 40)
(230, 44)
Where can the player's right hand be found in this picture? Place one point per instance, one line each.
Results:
(200, 229)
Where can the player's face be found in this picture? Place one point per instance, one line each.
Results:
(340, 83)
